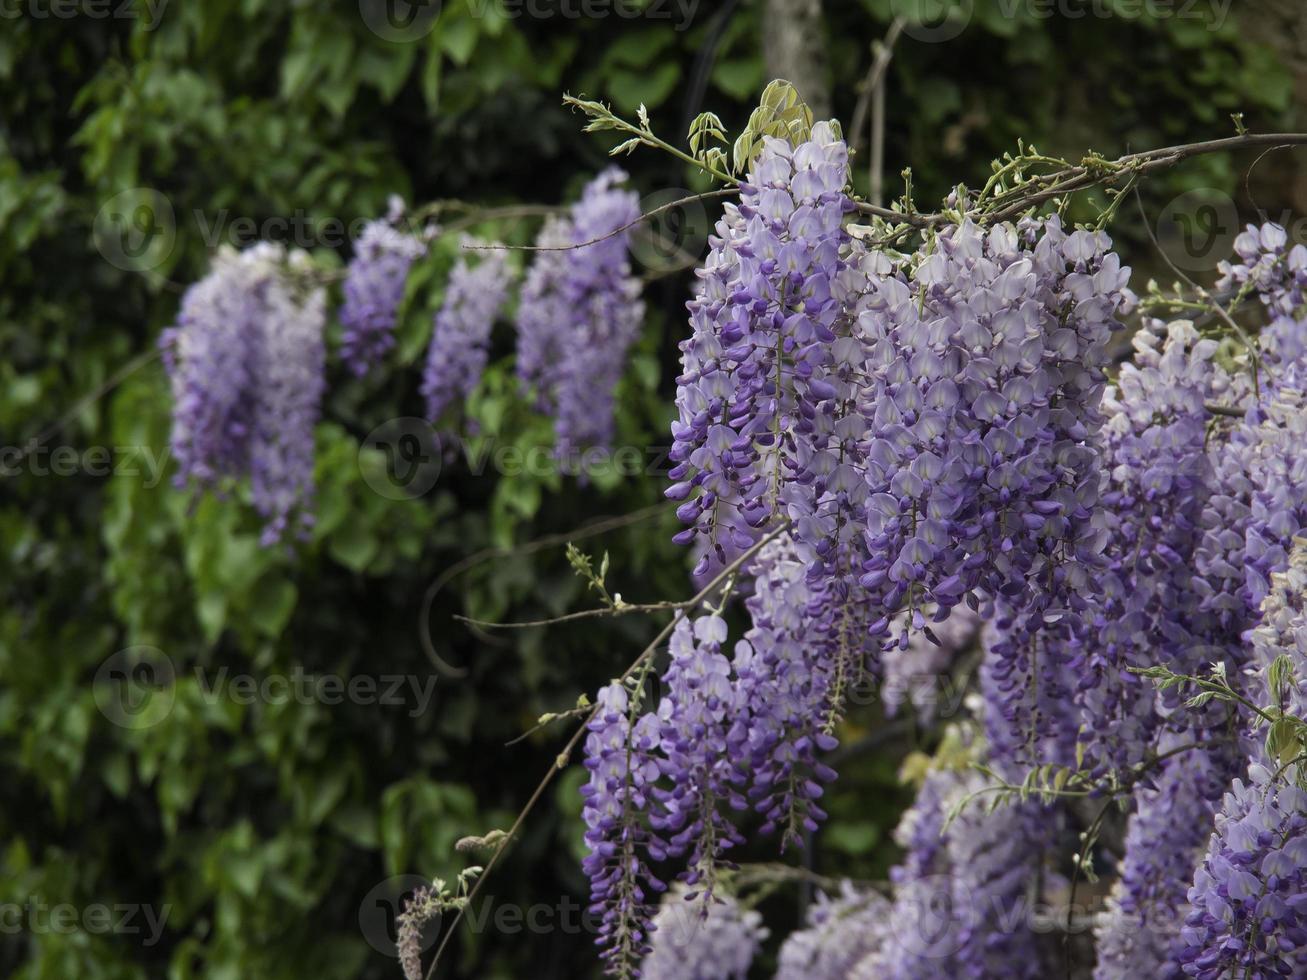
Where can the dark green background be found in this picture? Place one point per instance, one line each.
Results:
(263, 826)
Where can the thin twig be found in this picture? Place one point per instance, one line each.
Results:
(541, 725)
(1224, 410)
(620, 610)
(508, 211)
(108, 385)
(882, 51)
(587, 530)
(562, 759)
(706, 195)
(1091, 173)
(873, 94)
(1209, 303)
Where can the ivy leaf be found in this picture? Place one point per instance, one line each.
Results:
(272, 603)
(353, 546)
(458, 39)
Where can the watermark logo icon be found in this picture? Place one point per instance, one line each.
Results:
(135, 230)
(939, 921)
(380, 910)
(400, 21)
(675, 233)
(400, 459)
(134, 688)
(1197, 229)
(933, 21)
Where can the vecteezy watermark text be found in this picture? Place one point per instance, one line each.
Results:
(90, 9)
(38, 917)
(402, 458)
(42, 460)
(938, 21)
(680, 12)
(136, 688)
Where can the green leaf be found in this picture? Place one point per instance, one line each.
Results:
(457, 38)
(358, 824)
(629, 89)
(855, 838)
(739, 77)
(431, 79)
(638, 49)
(387, 68)
(272, 603)
(353, 546)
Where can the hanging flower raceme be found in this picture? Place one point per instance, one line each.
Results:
(1027, 681)
(1258, 499)
(460, 339)
(783, 685)
(1268, 266)
(212, 358)
(246, 361)
(580, 312)
(544, 318)
(693, 943)
(1139, 935)
(754, 397)
(374, 288)
(698, 706)
(288, 401)
(1156, 482)
(842, 932)
(985, 376)
(1249, 898)
(605, 297)
(962, 896)
(923, 675)
(1189, 489)
(621, 757)
(1278, 472)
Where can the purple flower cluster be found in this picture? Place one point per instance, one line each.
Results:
(698, 706)
(1027, 689)
(694, 943)
(922, 673)
(374, 288)
(755, 398)
(1156, 485)
(1172, 820)
(624, 768)
(288, 401)
(936, 431)
(842, 932)
(727, 733)
(1249, 898)
(784, 684)
(544, 316)
(962, 901)
(1258, 498)
(580, 312)
(211, 356)
(460, 340)
(1277, 470)
(1268, 266)
(246, 362)
(1201, 515)
(984, 377)
(986, 374)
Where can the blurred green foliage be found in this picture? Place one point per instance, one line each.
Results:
(260, 827)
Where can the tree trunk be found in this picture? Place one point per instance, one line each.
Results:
(793, 48)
